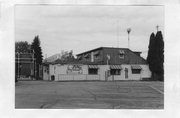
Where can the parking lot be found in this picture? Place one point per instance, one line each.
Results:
(89, 95)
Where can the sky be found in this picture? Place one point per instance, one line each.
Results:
(84, 27)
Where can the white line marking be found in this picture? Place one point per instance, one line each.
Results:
(157, 89)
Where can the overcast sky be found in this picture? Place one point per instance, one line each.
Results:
(81, 28)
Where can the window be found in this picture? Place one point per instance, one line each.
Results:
(79, 57)
(115, 71)
(47, 70)
(121, 54)
(136, 71)
(54, 69)
(96, 56)
(86, 56)
(93, 71)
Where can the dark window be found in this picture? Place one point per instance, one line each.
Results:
(115, 72)
(96, 56)
(93, 71)
(121, 56)
(86, 56)
(136, 71)
(79, 57)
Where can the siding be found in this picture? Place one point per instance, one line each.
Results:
(61, 74)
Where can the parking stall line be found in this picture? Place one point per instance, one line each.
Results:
(156, 89)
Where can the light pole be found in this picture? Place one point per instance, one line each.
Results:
(33, 64)
(128, 31)
(18, 64)
(117, 33)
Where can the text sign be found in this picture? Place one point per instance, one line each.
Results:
(74, 69)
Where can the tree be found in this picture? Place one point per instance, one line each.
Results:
(151, 54)
(22, 47)
(67, 55)
(155, 56)
(35, 46)
(159, 56)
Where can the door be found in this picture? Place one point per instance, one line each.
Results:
(107, 75)
(126, 73)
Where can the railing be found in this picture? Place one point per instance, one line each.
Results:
(65, 77)
(24, 78)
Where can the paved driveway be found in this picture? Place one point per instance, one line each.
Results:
(91, 95)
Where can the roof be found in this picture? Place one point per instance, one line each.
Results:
(100, 48)
(135, 56)
(73, 61)
(52, 58)
(101, 62)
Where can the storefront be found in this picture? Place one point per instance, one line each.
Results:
(69, 72)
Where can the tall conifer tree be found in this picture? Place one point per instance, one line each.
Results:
(37, 54)
(159, 56)
(155, 56)
(151, 54)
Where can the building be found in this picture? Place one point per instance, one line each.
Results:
(24, 65)
(104, 63)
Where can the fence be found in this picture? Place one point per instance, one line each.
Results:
(64, 77)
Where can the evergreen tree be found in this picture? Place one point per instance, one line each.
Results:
(159, 56)
(151, 54)
(37, 54)
(155, 56)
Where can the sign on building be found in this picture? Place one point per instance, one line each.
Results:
(74, 69)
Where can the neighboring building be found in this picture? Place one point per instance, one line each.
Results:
(24, 65)
(52, 58)
(104, 63)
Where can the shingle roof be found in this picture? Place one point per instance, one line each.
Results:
(100, 49)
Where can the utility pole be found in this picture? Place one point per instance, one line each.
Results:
(118, 33)
(33, 63)
(157, 27)
(35, 68)
(18, 64)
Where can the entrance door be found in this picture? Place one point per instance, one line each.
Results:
(126, 73)
(107, 75)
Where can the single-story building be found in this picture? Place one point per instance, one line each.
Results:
(104, 63)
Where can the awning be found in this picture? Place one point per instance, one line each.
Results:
(93, 66)
(115, 67)
(136, 67)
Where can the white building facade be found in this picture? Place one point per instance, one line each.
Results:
(70, 72)
(101, 64)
